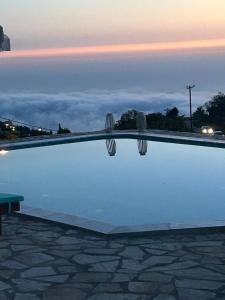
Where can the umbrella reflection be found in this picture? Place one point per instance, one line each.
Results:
(141, 126)
(109, 126)
(142, 147)
(111, 147)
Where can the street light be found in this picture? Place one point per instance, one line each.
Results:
(190, 87)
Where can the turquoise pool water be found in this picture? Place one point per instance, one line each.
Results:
(171, 183)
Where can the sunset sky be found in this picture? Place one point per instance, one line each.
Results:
(102, 47)
(60, 23)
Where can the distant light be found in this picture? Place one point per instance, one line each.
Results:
(210, 131)
(13, 128)
(3, 152)
(39, 129)
(207, 130)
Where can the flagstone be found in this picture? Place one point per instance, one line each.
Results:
(159, 260)
(4, 254)
(27, 285)
(12, 264)
(157, 277)
(22, 247)
(133, 252)
(91, 259)
(118, 296)
(66, 292)
(4, 286)
(6, 273)
(34, 258)
(189, 294)
(107, 287)
(91, 277)
(164, 297)
(101, 251)
(38, 271)
(199, 284)
(133, 265)
(52, 262)
(143, 287)
(20, 296)
(110, 266)
(121, 277)
(54, 278)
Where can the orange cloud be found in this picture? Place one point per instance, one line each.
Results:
(110, 49)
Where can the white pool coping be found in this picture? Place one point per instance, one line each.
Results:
(110, 229)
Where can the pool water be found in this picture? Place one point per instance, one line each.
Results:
(171, 183)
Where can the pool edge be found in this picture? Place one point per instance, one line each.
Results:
(113, 230)
(154, 137)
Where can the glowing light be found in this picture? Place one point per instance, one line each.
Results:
(107, 49)
(3, 152)
(207, 130)
(210, 131)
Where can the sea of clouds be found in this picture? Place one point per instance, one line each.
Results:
(85, 111)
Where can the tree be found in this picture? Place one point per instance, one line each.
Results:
(212, 113)
(172, 113)
(170, 121)
(200, 117)
(216, 111)
(62, 130)
(155, 121)
(127, 120)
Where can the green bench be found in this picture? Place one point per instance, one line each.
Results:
(9, 203)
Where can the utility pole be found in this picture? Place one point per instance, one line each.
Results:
(190, 87)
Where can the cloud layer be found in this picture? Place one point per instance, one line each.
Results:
(83, 111)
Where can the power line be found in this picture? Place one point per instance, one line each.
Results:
(26, 124)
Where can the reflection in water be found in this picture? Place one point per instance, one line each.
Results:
(142, 147)
(3, 152)
(141, 126)
(111, 147)
(109, 126)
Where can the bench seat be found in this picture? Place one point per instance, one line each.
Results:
(9, 203)
(6, 198)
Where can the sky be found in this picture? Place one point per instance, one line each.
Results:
(75, 60)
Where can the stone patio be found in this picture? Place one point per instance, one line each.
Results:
(42, 260)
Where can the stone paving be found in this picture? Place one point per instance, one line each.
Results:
(40, 260)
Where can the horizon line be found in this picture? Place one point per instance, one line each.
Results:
(116, 49)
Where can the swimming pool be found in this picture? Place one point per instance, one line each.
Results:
(172, 183)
